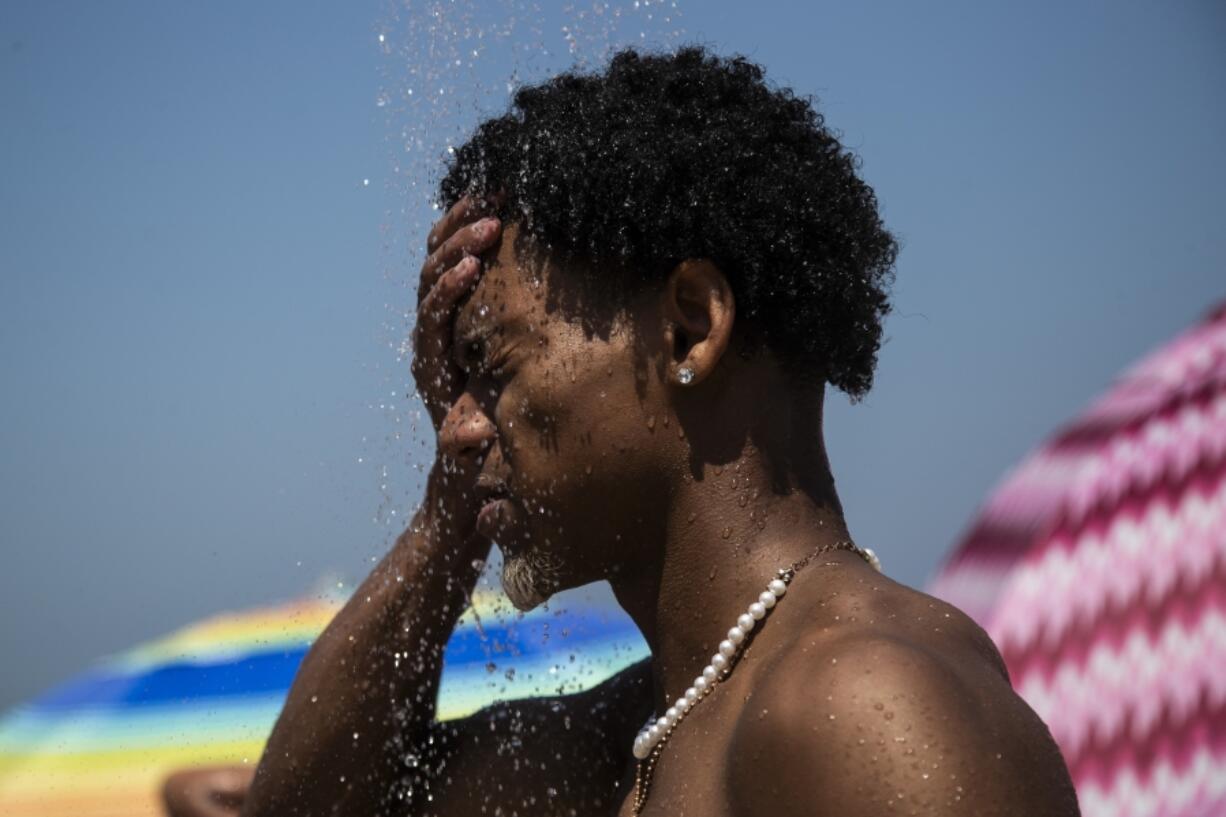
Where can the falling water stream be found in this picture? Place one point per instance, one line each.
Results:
(445, 67)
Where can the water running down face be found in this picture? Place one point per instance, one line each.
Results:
(570, 419)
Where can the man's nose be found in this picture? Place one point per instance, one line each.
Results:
(466, 431)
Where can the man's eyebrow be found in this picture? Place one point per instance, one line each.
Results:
(469, 333)
(464, 335)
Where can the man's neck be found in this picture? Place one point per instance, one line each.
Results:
(727, 534)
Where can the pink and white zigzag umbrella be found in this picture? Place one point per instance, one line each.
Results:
(1099, 569)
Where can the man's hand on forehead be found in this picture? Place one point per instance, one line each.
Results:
(450, 271)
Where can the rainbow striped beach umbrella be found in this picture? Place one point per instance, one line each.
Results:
(1099, 569)
(101, 744)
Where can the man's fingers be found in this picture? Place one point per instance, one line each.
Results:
(463, 211)
(451, 220)
(432, 341)
(450, 270)
(438, 378)
(436, 309)
(473, 239)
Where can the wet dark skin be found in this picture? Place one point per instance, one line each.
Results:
(591, 460)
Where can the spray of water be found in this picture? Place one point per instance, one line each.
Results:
(444, 67)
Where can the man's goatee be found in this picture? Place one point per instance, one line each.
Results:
(526, 577)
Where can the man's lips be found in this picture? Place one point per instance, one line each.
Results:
(495, 496)
(489, 486)
(490, 512)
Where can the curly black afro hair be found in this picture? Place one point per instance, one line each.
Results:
(663, 157)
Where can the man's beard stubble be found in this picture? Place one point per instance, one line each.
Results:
(530, 577)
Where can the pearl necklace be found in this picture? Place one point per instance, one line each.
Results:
(649, 744)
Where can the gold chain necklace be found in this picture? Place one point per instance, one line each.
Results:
(649, 744)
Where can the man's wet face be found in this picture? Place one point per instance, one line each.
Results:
(570, 425)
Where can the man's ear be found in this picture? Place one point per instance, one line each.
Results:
(700, 309)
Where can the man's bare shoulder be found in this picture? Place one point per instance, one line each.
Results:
(904, 708)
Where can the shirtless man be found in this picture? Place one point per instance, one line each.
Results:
(629, 312)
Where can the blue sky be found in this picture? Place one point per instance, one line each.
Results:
(208, 222)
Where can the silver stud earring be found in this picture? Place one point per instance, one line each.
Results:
(685, 375)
